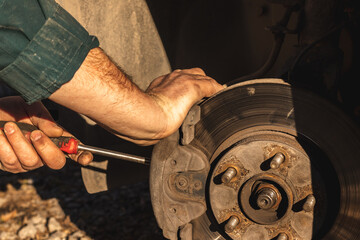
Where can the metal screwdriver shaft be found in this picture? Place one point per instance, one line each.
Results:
(114, 154)
(71, 146)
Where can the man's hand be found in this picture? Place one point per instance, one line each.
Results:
(177, 92)
(19, 153)
(101, 91)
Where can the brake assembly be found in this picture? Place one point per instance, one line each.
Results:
(259, 160)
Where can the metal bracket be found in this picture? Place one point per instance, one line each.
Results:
(188, 126)
(177, 180)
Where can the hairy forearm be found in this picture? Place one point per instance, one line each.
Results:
(103, 92)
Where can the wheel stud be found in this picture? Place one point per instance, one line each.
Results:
(309, 203)
(229, 174)
(277, 160)
(231, 224)
(282, 236)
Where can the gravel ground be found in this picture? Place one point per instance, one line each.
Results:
(46, 204)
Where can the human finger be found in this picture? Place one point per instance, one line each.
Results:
(25, 152)
(194, 71)
(208, 86)
(50, 154)
(8, 159)
(83, 157)
(42, 119)
(45, 123)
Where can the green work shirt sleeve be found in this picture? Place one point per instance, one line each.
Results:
(41, 47)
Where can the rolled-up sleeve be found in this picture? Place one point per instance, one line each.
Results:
(47, 55)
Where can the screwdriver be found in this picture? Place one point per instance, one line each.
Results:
(71, 146)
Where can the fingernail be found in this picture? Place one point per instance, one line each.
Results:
(35, 136)
(27, 135)
(9, 129)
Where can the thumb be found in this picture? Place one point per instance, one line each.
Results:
(42, 119)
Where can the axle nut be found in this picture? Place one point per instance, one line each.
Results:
(266, 198)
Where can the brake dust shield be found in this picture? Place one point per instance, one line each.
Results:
(259, 160)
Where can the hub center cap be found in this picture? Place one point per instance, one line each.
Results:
(266, 199)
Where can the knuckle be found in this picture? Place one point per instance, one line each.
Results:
(174, 74)
(10, 161)
(30, 163)
(198, 70)
(14, 169)
(11, 166)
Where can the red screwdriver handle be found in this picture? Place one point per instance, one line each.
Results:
(66, 144)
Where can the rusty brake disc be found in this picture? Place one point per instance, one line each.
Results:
(260, 160)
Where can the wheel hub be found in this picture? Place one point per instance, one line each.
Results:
(257, 182)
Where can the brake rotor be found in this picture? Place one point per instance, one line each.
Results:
(260, 160)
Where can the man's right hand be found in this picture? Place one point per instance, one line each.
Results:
(177, 92)
(19, 153)
(102, 92)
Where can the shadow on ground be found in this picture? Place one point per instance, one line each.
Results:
(124, 213)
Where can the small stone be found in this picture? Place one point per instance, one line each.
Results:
(8, 236)
(85, 238)
(53, 225)
(55, 209)
(3, 201)
(41, 228)
(57, 236)
(29, 181)
(37, 219)
(39, 222)
(12, 227)
(29, 231)
(76, 235)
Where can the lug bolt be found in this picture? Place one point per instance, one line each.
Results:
(282, 236)
(266, 198)
(231, 224)
(228, 175)
(277, 160)
(309, 203)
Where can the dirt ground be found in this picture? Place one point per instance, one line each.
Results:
(46, 204)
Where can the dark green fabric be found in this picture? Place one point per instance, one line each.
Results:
(41, 47)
